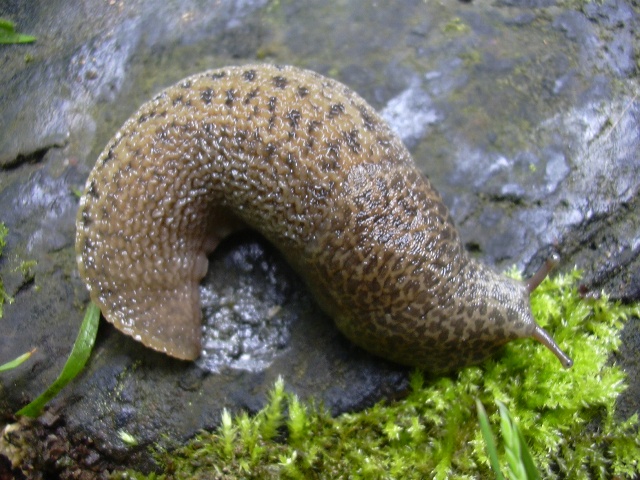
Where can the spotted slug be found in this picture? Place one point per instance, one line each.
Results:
(309, 164)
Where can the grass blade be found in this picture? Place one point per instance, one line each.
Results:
(9, 35)
(527, 459)
(16, 361)
(521, 463)
(76, 361)
(489, 440)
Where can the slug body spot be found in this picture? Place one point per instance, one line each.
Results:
(312, 166)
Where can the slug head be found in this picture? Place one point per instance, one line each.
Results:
(495, 309)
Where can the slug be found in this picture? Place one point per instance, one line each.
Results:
(308, 163)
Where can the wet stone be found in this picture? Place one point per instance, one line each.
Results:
(524, 115)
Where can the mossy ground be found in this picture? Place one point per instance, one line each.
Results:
(567, 416)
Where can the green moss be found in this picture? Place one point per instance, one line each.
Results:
(27, 267)
(566, 416)
(471, 58)
(3, 295)
(456, 26)
(3, 236)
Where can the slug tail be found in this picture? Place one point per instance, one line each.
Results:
(541, 335)
(168, 321)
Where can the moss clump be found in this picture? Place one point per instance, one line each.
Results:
(3, 295)
(566, 416)
(456, 26)
(27, 269)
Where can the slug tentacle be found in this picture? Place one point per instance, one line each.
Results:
(541, 335)
(542, 273)
(308, 163)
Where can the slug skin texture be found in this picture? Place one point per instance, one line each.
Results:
(309, 164)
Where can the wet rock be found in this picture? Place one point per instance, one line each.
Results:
(528, 3)
(608, 29)
(619, 49)
(410, 113)
(521, 19)
(525, 118)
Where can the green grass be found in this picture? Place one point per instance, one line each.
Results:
(78, 357)
(16, 361)
(563, 418)
(80, 352)
(520, 464)
(8, 34)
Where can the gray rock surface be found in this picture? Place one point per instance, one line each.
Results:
(524, 114)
